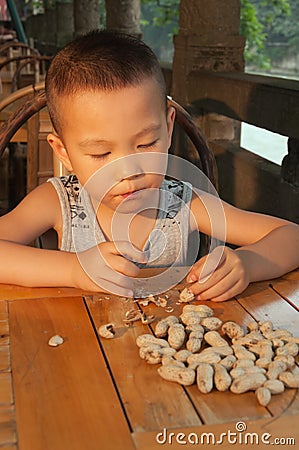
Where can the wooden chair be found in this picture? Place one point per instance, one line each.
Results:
(36, 152)
(11, 55)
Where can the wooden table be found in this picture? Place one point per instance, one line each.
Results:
(90, 393)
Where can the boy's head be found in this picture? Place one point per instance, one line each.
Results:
(99, 61)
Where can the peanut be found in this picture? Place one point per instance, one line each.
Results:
(190, 318)
(263, 395)
(151, 353)
(223, 350)
(168, 360)
(211, 323)
(275, 368)
(266, 327)
(274, 386)
(288, 359)
(213, 338)
(233, 330)
(147, 339)
(242, 353)
(202, 310)
(244, 363)
(291, 348)
(194, 342)
(195, 327)
(163, 325)
(182, 355)
(247, 383)
(185, 376)
(204, 377)
(252, 338)
(237, 372)
(266, 354)
(186, 296)
(253, 326)
(222, 379)
(196, 358)
(290, 379)
(176, 335)
(228, 361)
(278, 334)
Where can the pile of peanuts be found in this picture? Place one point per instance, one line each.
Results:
(254, 358)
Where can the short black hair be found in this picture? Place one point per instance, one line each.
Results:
(100, 60)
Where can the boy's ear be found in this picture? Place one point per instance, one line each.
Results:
(170, 122)
(60, 150)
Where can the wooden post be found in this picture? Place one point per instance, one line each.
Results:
(208, 40)
(124, 16)
(86, 16)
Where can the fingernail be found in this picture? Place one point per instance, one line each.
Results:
(192, 278)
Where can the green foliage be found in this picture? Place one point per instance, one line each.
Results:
(257, 18)
(283, 34)
(166, 11)
(159, 22)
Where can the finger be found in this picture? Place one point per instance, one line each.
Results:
(115, 289)
(219, 288)
(124, 266)
(202, 286)
(236, 289)
(97, 269)
(129, 251)
(207, 265)
(113, 281)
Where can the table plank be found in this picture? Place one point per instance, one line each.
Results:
(263, 303)
(13, 292)
(147, 399)
(65, 398)
(288, 287)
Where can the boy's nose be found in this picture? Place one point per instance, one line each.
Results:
(129, 168)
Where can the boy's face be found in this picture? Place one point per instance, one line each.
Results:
(101, 127)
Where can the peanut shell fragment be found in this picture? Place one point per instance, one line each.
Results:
(107, 331)
(56, 340)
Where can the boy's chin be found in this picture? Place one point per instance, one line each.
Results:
(138, 202)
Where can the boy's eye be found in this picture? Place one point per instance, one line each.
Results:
(100, 156)
(151, 144)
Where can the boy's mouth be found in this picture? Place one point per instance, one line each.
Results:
(132, 194)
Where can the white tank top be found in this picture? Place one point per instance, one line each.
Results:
(168, 242)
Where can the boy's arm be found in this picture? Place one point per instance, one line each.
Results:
(20, 264)
(28, 266)
(268, 247)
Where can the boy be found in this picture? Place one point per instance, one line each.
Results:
(106, 98)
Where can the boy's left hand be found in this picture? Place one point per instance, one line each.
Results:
(219, 275)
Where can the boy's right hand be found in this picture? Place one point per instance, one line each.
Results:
(109, 267)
